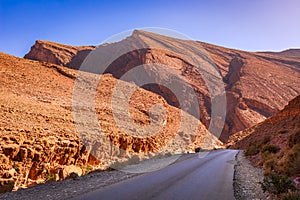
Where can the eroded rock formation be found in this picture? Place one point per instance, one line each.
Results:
(257, 84)
(59, 54)
(39, 140)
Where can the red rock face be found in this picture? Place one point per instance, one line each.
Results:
(257, 84)
(59, 54)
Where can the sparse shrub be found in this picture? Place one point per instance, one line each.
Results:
(268, 161)
(50, 177)
(271, 148)
(86, 169)
(294, 139)
(118, 152)
(251, 150)
(291, 196)
(266, 139)
(284, 131)
(197, 150)
(291, 165)
(270, 164)
(276, 184)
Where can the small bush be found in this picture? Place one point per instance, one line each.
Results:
(197, 150)
(50, 177)
(283, 131)
(294, 139)
(86, 169)
(271, 149)
(270, 164)
(266, 139)
(276, 184)
(291, 196)
(251, 150)
(291, 164)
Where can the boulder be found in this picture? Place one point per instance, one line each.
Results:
(70, 170)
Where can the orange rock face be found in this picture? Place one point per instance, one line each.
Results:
(257, 84)
(39, 140)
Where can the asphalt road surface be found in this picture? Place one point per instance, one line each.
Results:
(208, 178)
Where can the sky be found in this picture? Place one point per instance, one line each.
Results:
(252, 25)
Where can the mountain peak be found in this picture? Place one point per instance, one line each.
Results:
(138, 32)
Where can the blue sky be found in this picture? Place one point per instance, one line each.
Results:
(252, 25)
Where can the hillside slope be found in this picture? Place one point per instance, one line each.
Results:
(275, 142)
(257, 84)
(39, 135)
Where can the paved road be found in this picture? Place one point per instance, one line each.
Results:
(208, 178)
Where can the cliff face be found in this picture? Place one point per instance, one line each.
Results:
(39, 140)
(59, 54)
(257, 84)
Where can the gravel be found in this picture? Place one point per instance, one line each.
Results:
(246, 180)
(67, 189)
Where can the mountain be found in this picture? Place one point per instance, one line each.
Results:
(287, 53)
(257, 84)
(59, 54)
(275, 142)
(39, 135)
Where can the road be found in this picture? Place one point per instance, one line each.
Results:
(207, 178)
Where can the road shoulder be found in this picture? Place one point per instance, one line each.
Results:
(246, 180)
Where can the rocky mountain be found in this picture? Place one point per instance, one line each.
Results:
(257, 84)
(39, 138)
(275, 142)
(59, 54)
(287, 53)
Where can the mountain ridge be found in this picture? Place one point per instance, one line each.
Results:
(244, 74)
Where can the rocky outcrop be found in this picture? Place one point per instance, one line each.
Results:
(34, 156)
(39, 140)
(59, 54)
(257, 84)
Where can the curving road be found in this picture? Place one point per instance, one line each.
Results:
(208, 178)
